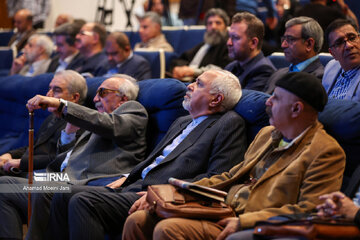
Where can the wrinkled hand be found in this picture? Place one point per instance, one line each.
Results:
(5, 158)
(337, 203)
(117, 183)
(71, 128)
(13, 163)
(231, 224)
(39, 101)
(17, 64)
(140, 204)
(182, 72)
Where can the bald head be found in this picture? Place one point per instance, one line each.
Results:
(23, 20)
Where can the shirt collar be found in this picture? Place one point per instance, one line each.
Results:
(277, 136)
(301, 66)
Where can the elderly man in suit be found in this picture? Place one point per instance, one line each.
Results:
(286, 168)
(122, 60)
(210, 139)
(23, 22)
(67, 85)
(246, 36)
(36, 57)
(301, 42)
(342, 75)
(113, 143)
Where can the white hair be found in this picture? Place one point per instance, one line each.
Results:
(43, 41)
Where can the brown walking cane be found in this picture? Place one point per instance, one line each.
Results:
(31, 156)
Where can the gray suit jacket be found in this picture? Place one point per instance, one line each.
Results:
(315, 68)
(332, 71)
(111, 145)
(214, 146)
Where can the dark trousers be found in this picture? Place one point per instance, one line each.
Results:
(89, 214)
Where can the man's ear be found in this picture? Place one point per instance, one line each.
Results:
(217, 99)
(296, 108)
(309, 43)
(75, 97)
(254, 43)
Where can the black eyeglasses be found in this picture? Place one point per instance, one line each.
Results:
(351, 38)
(289, 39)
(104, 91)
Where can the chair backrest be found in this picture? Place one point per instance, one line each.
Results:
(278, 59)
(6, 57)
(5, 37)
(252, 108)
(325, 58)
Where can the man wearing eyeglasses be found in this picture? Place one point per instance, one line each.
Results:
(302, 41)
(90, 42)
(113, 143)
(121, 59)
(342, 76)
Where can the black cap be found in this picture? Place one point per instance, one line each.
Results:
(305, 86)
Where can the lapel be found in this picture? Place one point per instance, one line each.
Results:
(191, 138)
(333, 74)
(84, 137)
(287, 157)
(352, 88)
(312, 66)
(57, 123)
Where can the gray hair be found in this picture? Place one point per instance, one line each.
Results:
(129, 87)
(153, 16)
(217, 12)
(227, 84)
(43, 41)
(310, 28)
(75, 83)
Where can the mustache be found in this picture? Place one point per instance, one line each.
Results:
(268, 111)
(98, 105)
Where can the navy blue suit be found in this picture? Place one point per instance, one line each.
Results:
(136, 66)
(254, 74)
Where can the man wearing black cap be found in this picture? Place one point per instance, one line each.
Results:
(285, 169)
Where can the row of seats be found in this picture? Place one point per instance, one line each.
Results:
(181, 38)
(163, 100)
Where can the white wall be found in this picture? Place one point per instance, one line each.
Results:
(86, 9)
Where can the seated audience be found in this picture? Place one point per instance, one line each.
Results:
(342, 75)
(150, 33)
(24, 29)
(209, 140)
(246, 36)
(68, 56)
(122, 60)
(90, 42)
(161, 7)
(212, 53)
(285, 169)
(67, 85)
(63, 18)
(113, 143)
(301, 42)
(36, 57)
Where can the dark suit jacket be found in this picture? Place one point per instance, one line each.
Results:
(214, 146)
(90, 65)
(254, 74)
(21, 44)
(315, 68)
(111, 145)
(136, 67)
(75, 63)
(45, 145)
(217, 55)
